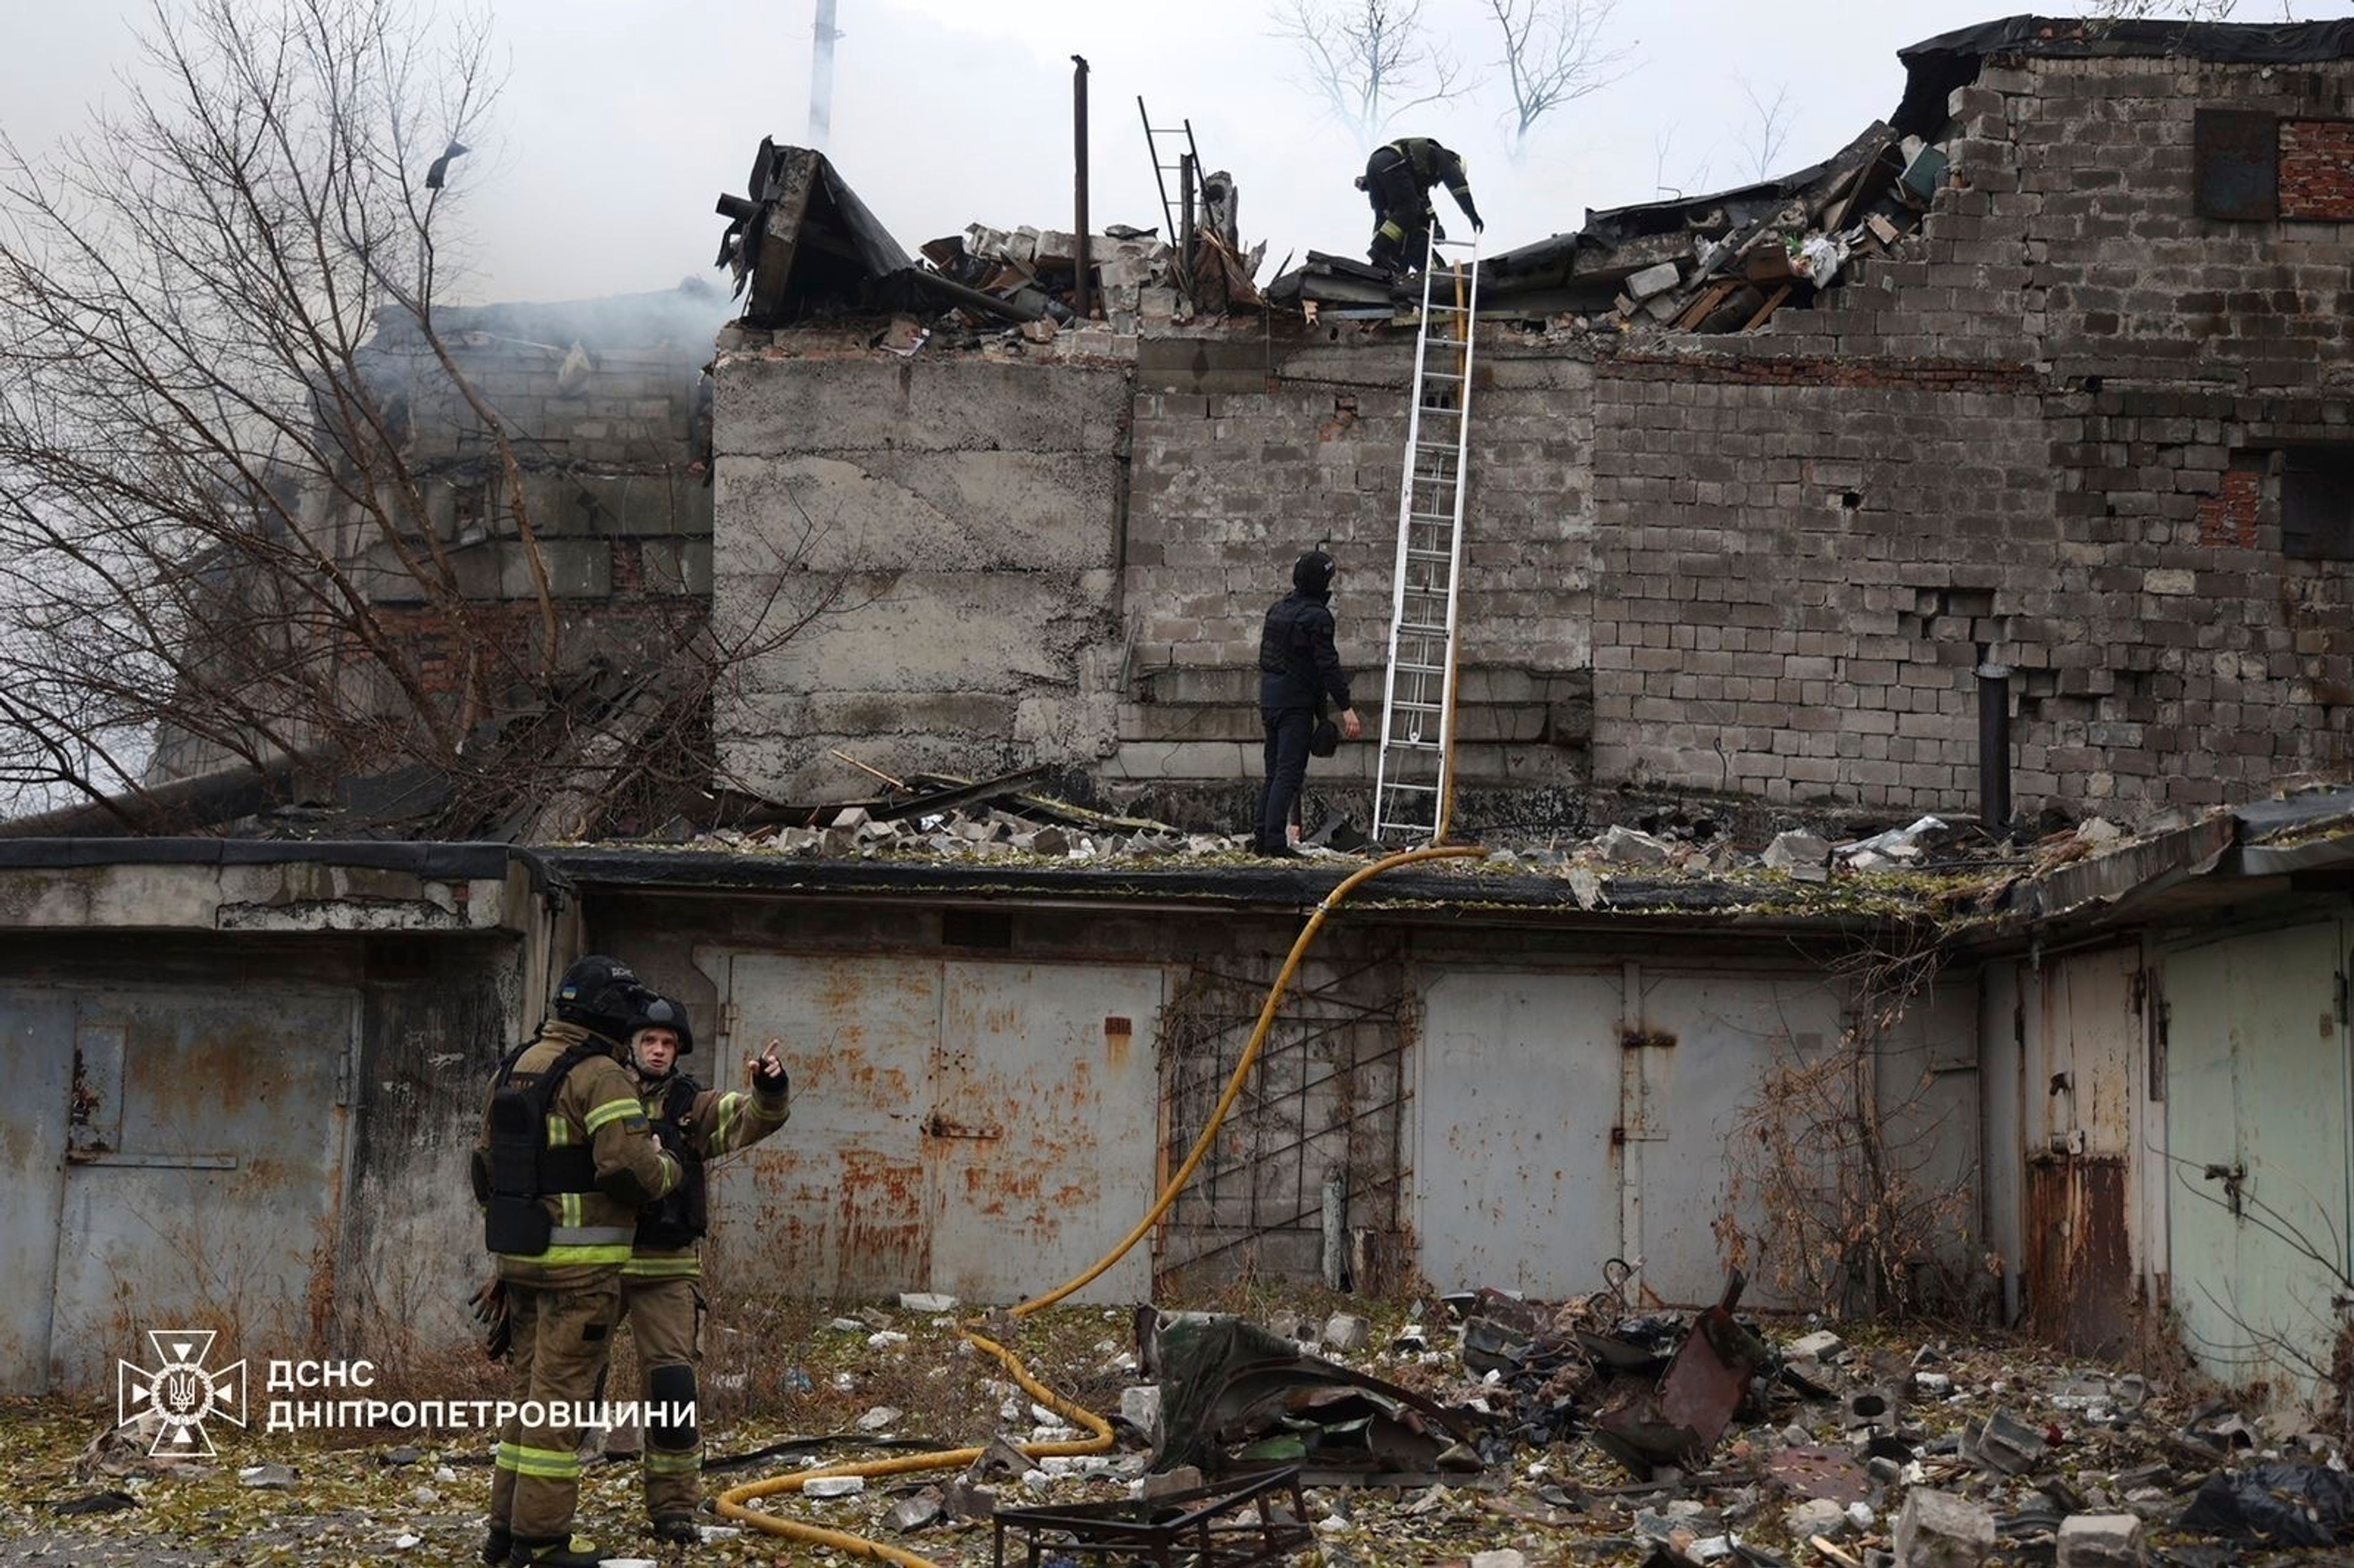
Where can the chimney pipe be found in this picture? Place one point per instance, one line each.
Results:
(1083, 293)
(820, 120)
(1994, 748)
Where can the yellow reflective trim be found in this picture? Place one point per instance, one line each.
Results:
(559, 1131)
(731, 1111)
(661, 1464)
(557, 1255)
(544, 1463)
(611, 1110)
(568, 1210)
(662, 1268)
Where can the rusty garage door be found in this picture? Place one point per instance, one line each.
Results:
(184, 1159)
(2258, 1126)
(2081, 1161)
(985, 1130)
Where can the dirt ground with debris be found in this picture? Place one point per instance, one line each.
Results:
(2073, 1440)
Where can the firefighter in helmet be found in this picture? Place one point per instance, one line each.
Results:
(568, 1160)
(662, 1292)
(1397, 180)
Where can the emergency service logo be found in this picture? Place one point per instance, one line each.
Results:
(181, 1394)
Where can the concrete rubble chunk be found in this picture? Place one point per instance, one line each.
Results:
(2007, 1443)
(1050, 842)
(1816, 1516)
(1183, 1479)
(962, 1499)
(1507, 1558)
(1347, 1332)
(914, 1513)
(925, 1301)
(2102, 1541)
(881, 1418)
(833, 1486)
(1140, 1407)
(1802, 854)
(1822, 1345)
(1631, 846)
(1940, 1529)
(849, 816)
(1650, 281)
(266, 1477)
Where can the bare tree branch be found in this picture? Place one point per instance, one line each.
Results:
(1554, 55)
(1767, 127)
(1368, 60)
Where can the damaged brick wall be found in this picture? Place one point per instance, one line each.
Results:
(2059, 433)
(1246, 454)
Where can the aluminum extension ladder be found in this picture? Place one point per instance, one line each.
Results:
(1414, 784)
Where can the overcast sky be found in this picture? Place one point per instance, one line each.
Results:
(624, 118)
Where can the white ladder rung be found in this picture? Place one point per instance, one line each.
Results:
(1420, 685)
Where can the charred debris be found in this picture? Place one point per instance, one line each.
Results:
(805, 250)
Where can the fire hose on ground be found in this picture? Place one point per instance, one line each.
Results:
(734, 1503)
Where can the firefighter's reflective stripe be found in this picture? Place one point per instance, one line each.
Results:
(644, 1267)
(546, 1464)
(589, 1235)
(661, 1464)
(558, 1256)
(611, 1110)
(559, 1131)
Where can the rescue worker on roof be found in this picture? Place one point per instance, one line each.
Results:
(567, 1159)
(1397, 181)
(662, 1294)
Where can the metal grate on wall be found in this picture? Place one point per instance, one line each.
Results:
(1319, 1121)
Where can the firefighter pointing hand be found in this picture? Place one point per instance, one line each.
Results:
(662, 1294)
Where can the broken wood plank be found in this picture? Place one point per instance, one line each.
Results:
(1773, 302)
(1714, 296)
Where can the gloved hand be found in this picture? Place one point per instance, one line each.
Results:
(766, 1072)
(489, 1304)
(1477, 226)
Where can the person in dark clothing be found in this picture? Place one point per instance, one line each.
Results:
(1299, 667)
(1397, 181)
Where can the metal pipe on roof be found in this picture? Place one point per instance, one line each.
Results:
(1994, 748)
(1082, 290)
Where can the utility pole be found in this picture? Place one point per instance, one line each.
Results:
(820, 120)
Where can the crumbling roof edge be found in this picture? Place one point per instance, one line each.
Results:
(1652, 903)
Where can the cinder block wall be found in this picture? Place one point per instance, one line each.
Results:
(920, 565)
(2048, 432)
(2046, 435)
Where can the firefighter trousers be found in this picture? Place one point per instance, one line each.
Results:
(665, 1317)
(561, 1340)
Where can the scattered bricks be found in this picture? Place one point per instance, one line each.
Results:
(925, 1301)
(1940, 1529)
(849, 816)
(2102, 1541)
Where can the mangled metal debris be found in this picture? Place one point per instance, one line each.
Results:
(1236, 1524)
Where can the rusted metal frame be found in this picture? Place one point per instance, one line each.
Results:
(1105, 1529)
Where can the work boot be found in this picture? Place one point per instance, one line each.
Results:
(1277, 852)
(676, 1528)
(555, 1552)
(497, 1543)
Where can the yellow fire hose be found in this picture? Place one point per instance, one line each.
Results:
(733, 1502)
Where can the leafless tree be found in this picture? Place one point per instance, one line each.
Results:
(1767, 127)
(2168, 10)
(213, 503)
(1369, 60)
(1694, 178)
(1554, 55)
